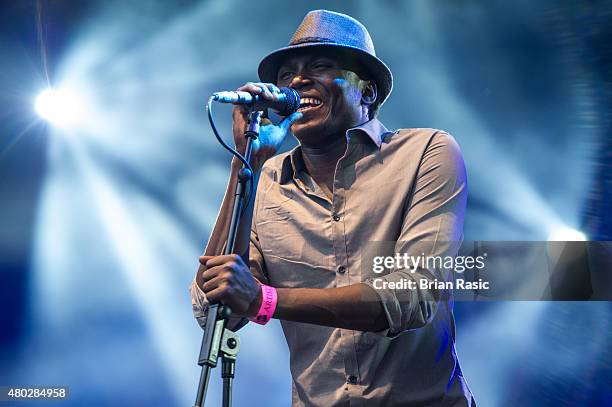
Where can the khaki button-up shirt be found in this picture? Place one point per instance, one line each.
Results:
(407, 187)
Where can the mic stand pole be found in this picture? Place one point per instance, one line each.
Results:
(217, 338)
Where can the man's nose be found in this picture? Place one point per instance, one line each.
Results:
(299, 81)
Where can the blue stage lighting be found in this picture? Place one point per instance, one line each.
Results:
(59, 107)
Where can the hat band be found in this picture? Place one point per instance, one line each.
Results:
(312, 39)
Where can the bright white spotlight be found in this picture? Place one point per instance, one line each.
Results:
(58, 106)
(566, 234)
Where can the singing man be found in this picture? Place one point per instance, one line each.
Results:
(350, 181)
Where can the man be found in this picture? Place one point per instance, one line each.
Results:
(350, 181)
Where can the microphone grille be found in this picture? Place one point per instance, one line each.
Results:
(292, 99)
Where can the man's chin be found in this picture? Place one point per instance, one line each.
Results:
(302, 127)
(308, 130)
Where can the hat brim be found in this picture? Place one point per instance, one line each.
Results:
(377, 69)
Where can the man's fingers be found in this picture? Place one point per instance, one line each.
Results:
(263, 89)
(215, 265)
(267, 91)
(213, 283)
(211, 272)
(275, 91)
(288, 121)
(219, 260)
(204, 259)
(215, 296)
(250, 87)
(253, 89)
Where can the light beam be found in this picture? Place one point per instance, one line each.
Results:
(566, 234)
(59, 107)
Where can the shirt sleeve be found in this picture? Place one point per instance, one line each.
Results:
(432, 226)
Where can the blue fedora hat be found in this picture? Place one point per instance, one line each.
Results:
(342, 34)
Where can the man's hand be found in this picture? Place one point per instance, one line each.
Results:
(229, 281)
(271, 135)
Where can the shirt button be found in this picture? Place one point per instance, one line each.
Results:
(352, 379)
(341, 269)
(335, 217)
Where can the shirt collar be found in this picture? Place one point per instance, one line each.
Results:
(293, 163)
(374, 129)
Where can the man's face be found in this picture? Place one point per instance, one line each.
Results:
(331, 95)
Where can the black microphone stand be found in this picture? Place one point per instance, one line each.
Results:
(217, 339)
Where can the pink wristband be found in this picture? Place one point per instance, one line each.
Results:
(268, 305)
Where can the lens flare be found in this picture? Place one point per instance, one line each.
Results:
(566, 234)
(58, 106)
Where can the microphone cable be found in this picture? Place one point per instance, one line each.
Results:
(249, 195)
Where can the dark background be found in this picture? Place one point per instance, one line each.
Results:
(101, 222)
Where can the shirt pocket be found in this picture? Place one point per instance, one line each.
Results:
(294, 244)
(280, 234)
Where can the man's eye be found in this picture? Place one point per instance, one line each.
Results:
(285, 76)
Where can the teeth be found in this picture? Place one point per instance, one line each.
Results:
(310, 101)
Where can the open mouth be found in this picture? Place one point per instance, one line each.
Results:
(309, 103)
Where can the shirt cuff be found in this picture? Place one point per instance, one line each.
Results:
(199, 304)
(396, 309)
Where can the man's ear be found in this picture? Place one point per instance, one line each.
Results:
(369, 93)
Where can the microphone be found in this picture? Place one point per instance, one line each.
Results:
(289, 100)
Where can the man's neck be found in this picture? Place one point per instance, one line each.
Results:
(320, 160)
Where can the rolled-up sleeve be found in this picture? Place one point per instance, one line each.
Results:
(432, 226)
(199, 302)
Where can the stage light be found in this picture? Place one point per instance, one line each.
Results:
(59, 107)
(566, 234)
